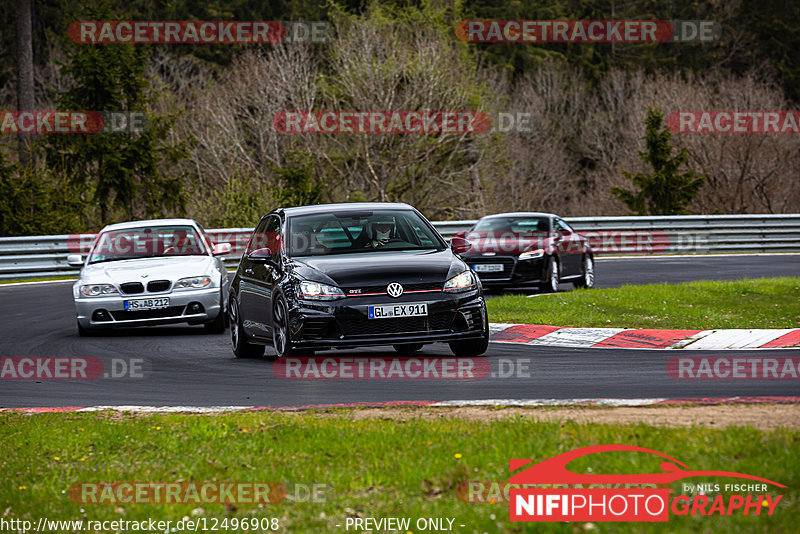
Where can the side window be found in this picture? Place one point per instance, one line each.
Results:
(206, 238)
(257, 240)
(273, 235)
(561, 226)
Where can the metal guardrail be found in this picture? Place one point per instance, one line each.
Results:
(29, 257)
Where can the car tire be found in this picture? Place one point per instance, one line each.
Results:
(407, 348)
(84, 332)
(242, 348)
(587, 269)
(469, 348)
(217, 326)
(553, 276)
(281, 337)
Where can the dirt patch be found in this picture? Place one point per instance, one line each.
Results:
(760, 416)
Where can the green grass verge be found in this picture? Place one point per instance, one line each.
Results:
(747, 303)
(371, 467)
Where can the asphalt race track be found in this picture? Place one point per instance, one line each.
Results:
(614, 272)
(184, 366)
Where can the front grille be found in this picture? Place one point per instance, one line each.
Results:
(473, 318)
(314, 327)
(508, 266)
(156, 286)
(132, 288)
(122, 315)
(428, 286)
(400, 325)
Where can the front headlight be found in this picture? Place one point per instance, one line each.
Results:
(532, 254)
(317, 291)
(461, 282)
(98, 290)
(193, 282)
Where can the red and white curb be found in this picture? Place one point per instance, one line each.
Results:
(624, 338)
(613, 402)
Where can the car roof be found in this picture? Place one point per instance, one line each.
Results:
(345, 206)
(149, 222)
(521, 214)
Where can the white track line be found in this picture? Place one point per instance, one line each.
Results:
(549, 402)
(12, 284)
(733, 338)
(576, 337)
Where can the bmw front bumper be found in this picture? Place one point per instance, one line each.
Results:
(192, 306)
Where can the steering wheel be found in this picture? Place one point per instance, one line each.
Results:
(393, 240)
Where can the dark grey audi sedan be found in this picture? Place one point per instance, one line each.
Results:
(350, 275)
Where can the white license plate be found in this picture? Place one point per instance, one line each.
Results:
(397, 310)
(147, 304)
(488, 268)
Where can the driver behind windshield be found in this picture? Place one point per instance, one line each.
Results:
(379, 230)
(178, 243)
(183, 243)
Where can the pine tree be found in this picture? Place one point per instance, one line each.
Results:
(665, 191)
(125, 174)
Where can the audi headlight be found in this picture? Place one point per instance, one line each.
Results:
(193, 282)
(461, 282)
(317, 291)
(532, 254)
(98, 290)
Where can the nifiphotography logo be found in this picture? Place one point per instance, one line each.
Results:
(602, 497)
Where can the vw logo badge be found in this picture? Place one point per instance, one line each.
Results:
(394, 289)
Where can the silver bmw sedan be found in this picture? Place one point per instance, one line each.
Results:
(151, 272)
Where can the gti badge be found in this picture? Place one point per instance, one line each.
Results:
(394, 289)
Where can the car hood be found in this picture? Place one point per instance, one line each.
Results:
(378, 268)
(163, 268)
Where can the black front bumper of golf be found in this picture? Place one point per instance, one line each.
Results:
(345, 322)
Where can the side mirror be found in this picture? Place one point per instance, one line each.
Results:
(460, 245)
(221, 249)
(261, 255)
(75, 260)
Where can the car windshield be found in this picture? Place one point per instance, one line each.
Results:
(519, 225)
(147, 242)
(359, 231)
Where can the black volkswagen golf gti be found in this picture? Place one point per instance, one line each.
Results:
(349, 275)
